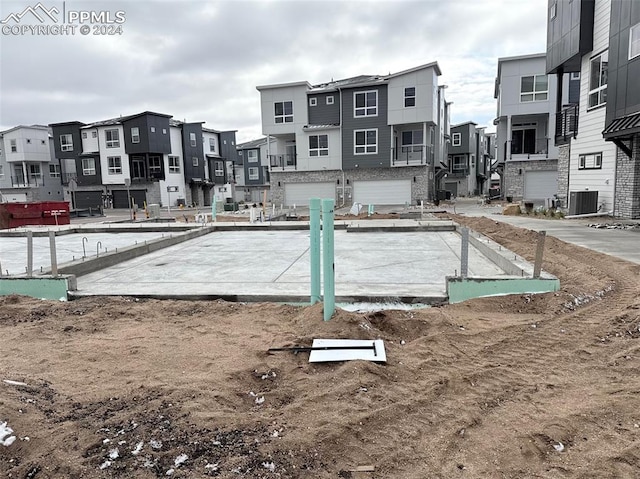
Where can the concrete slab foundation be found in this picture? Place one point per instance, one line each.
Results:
(387, 261)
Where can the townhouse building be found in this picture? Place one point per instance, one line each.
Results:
(598, 41)
(368, 139)
(28, 168)
(470, 159)
(527, 155)
(146, 157)
(252, 173)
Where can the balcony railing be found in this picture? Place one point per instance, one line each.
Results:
(414, 155)
(28, 182)
(539, 147)
(285, 162)
(567, 124)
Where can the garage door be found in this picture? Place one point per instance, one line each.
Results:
(88, 199)
(120, 198)
(383, 192)
(539, 185)
(299, 193)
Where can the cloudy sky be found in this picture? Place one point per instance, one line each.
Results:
(201, 60)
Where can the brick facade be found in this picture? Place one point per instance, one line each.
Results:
(514, 172)
(564, 152)
(627, 195)
(419, 177)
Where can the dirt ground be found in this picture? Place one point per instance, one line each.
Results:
(524, 386)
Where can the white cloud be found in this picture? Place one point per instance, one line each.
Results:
(202, 60)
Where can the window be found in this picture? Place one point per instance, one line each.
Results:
(153, 129)
(66, 143)
(219, 171)
(459, 164)
(590, 161)
(194, 160)
(114, 164)
(1, 171)
(34, 171)
(634, 41)
(54, 170)
(313, 101)
(283, 111)
(412, 141)
(553, 11)
(192, 140)
(84, 135)
(254, 173)
(598, 80)
(365, 103)
(155, 166)
(88, 166)
(409, 97)
(164, 131)
(330, 100)
(112, 138)
(135, 135)
(319, 145)
(174, 164)
(366, 142)
(252, 156)
(457, 139)
(212, 144)
(94, 134)
(534, 88)
(575, 75)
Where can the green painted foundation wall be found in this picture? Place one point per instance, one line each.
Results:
(463, 289)
(42, 288)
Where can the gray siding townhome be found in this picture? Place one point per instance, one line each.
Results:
(369, 139)
(470, 161)
(252, 179)
(597, 42)
(138, 159)
(527, 155)
(29, 170)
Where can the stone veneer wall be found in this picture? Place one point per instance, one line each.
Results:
(514, 180)
(419, 177)
(564, 152)
(627, 193)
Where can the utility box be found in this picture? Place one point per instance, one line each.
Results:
(154, 210)
(583, 202)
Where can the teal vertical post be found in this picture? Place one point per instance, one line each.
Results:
(328, 259)
(214, 209)
(314, 248)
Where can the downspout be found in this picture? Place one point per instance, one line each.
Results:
(344, 186)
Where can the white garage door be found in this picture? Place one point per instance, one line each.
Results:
(299, 193)
(383, 192)
(539, 185)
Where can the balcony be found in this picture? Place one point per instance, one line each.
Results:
(283, 162)
(529, 148)
(414, 155)
(31, 181)
(567, 124)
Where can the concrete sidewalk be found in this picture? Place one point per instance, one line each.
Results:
(621, 243)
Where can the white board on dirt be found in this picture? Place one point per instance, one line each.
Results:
(366, 350)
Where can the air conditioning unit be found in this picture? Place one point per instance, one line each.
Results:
(583, 202)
